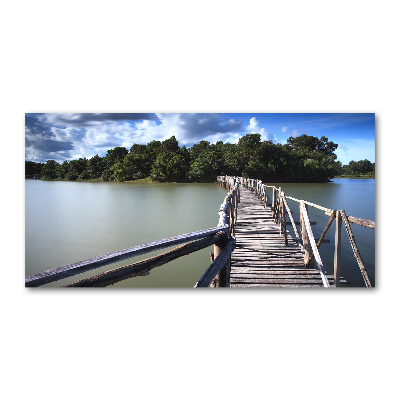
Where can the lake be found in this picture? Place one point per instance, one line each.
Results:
(66, 222)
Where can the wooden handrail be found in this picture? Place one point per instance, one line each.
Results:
(143, 267)
(328, 210)
(110, 258)
(228, 210)
(367, 223)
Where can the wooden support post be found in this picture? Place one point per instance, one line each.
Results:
(273, 202)
(356, 252)
(338, 238)
(283, 218)
(214, 282)
(279, 213)
(304, 236)
(231, 216)
(222, 278)
(277, 208)
(236, 203)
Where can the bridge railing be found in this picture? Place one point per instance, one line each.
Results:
(217, 274)
(279, 205)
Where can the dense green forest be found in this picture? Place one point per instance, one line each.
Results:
(359, 168)
(303, 159)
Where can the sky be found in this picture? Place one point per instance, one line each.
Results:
(69, 136)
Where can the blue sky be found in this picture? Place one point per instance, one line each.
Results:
(67, 136)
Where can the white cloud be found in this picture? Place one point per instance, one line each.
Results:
(190, 128)
(254, 127)
(85, 135)
(295, 133)
(233, 138)
(64, 135)
(284, 129)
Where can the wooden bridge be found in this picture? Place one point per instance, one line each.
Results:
(252, 247)
(264, 257)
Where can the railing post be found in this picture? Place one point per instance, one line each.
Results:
(273, 202)
(279, 213)
(223, 277)
(236, 202)
(336, 260)
(277, 206)
(232, 215)
(304, 236)
(283, 218)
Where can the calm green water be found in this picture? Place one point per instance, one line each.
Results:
(66, 222)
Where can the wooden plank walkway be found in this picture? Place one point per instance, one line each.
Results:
(261, 258)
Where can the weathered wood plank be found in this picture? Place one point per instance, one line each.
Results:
(280, 280)
(354, 247)
(314, 245)
(260, 247)
(280, 285)
(143, 267)
(274, 270)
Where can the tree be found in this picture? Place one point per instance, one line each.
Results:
(114, 155)
(207, 166)
(153, 150)
(197, 149)
(78, 169)
(359, 167)
(169, 167)
(317, 156)
(310, 146)
(33, 168)
(170, 144)
(133, 166)
(49, 170)
(248, 151)
(95, 167)
(63, 170)
(138, 149)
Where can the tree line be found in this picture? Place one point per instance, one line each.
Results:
(359, 168)
(303, 159)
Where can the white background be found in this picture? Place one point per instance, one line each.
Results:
(211, 56)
